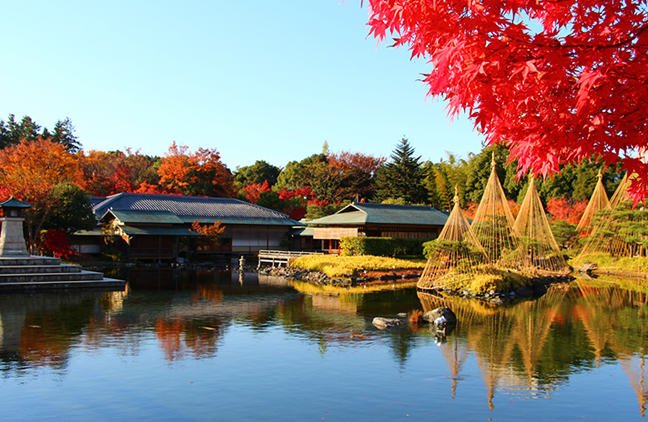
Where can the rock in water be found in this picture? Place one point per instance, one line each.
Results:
(383, 323)
(433, 315)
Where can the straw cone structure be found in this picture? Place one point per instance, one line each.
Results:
(537, 251)
(457, 255)
(619, 230)
(599, 201)
(493, 221)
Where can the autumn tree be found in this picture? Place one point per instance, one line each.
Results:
(555, 81)
(211, 232)
(402, 176)
(30, 171)
(253, 192)
(357, 174)
(107, 173)
(200, 173)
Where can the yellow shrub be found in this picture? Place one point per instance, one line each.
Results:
(346, 266)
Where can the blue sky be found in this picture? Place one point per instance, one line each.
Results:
(257, 80)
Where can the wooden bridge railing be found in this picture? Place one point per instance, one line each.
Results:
(281, 257)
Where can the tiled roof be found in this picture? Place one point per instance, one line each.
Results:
(368, 213)
(191, 208)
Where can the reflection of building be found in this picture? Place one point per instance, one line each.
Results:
(376, 220)
(148, 226)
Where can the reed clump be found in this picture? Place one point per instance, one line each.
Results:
(416, 317)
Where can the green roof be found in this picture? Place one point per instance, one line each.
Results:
(14, 203)
(145, 217)
(360, 214)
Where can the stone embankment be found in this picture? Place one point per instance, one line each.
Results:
(539, 286)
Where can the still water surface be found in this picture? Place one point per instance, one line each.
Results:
(216, 346)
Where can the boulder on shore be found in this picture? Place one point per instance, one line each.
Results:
(383, 323)
(450, 317)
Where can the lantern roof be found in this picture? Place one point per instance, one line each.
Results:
(14, 203)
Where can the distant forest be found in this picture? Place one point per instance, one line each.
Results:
(47, 168)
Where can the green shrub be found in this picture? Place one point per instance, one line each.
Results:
(381, 246)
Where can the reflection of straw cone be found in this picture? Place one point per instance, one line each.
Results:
(636, 369)
(455, 357)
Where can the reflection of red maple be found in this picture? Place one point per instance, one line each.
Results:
(558, 81)
(39, 347)
(177, 338)
(169, 334)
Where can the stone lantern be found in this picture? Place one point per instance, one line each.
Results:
(12, 240)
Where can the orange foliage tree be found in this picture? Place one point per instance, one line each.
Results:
(566, 209)
(211, 233)
(30, 171)
(107, 173)
(195, 174)
(357, 172)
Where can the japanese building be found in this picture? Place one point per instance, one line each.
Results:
(156, 227)
(375, 220)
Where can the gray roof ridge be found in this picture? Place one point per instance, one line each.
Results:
(378, 204)
(184, 198)
(108, 200)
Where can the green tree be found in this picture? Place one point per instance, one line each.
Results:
(479, 170)
(73, 210)
(441, 179)
(12, 132)
(64, 134)
(564, 233)
(258, 172)
(402, 176)
(295, 175)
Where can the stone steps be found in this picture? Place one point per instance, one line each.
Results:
(104, 283)
(41, 277)
(40, 272)
(34, 269)
(29, 260)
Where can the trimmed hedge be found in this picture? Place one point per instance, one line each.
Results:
(381, 246)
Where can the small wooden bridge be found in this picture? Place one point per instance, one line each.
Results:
(277, 258)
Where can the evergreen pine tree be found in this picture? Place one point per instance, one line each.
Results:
(402, 177)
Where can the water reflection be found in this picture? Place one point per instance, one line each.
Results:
(529, 349)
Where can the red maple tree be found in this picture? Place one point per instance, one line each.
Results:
(557, 81)
(253, 192)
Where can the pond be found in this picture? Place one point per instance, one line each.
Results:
(180, 345)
